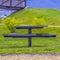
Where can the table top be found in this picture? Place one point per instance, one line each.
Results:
(27, 27)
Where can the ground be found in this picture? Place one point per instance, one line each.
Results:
(31, 16)
(43, 56)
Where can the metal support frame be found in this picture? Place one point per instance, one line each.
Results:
(29, 35)
(11, 5)
(29, 38)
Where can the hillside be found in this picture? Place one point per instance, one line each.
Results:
(38, 16)
(26, 16)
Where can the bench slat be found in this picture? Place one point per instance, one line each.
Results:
(29, 35)
(27, 27)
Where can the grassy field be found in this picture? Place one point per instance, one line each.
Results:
(20, 45)
(26, 16)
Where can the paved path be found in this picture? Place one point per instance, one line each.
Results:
(51, 56)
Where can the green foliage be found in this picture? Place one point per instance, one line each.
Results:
(30, 15)
(9, 23)
(39, 21)
(36, 16)
(0, 19)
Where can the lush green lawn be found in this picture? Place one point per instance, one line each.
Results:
(10, 45)
(20, 45)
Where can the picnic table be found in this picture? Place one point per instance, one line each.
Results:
(29, 35)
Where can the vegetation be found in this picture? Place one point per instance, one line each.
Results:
(31, 16)
(0, 19)
(8, 22)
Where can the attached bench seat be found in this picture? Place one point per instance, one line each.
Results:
(29, 35)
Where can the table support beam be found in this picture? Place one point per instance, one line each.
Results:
(29, 38)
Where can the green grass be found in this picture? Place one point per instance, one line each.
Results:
(10, 45)
(20, 45)
(26, 16)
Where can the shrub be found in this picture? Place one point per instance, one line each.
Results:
(0, 19)
(39, 21)
(9, 22)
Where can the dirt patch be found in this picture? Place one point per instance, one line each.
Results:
(43, 56)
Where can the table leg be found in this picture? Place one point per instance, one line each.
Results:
(29, 38)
